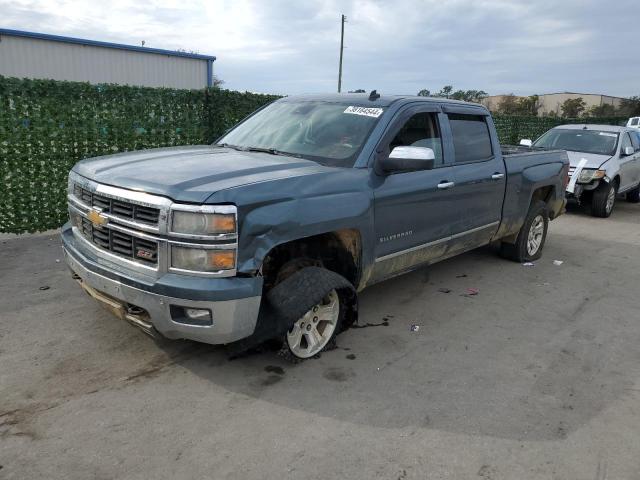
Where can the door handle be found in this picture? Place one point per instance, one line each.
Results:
(444, 185)
(497, 176)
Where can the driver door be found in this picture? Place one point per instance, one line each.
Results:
(413, 210)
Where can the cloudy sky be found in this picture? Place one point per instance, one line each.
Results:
(278, 46)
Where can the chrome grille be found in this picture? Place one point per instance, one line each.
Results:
(120, 243)
(122, 209)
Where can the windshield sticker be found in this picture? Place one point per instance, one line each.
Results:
(366, 111)
(607, 134)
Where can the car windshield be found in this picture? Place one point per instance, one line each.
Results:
(331, 134)
(587, 141)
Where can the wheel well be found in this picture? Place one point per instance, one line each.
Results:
(546, 194)
(339, 251)
(616, 180)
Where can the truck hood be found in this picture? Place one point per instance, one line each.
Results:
(593, 160)
(191, 174)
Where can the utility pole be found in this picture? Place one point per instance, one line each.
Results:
(344, 19)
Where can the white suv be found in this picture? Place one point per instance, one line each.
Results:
(634, 122)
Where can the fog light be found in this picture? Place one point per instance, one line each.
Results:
(191, 316)
(198, 314)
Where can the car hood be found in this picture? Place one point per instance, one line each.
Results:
(593, 160)
(191, 174)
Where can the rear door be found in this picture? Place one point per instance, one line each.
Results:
(413, 210)
(480, 178)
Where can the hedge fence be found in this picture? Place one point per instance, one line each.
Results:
(46, 126)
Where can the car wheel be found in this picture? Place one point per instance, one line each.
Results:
(531, 237)
(633, 196)
(603, 200)
(316, 330)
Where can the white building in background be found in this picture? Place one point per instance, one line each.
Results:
(551, 103)
(39, 55)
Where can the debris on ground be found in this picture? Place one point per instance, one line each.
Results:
(385, 323)
(57, 260)
(444, 290)
(415, 328)
(461, 276)
(544, 284)
(558, 262)
(472, 291)
(45, 287)
(528, 264)
(351, 356)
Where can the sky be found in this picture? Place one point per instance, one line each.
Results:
(397, 47)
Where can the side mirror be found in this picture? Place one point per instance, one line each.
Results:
(526, 142)
(626, 151)
(408, 159)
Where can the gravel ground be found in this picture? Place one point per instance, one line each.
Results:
(536, 377)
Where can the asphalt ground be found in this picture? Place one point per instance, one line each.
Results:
(535, 377)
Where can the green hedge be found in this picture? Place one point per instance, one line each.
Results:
(46, 126)
(512, 128)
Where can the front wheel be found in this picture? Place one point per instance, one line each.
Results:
(531, 237)
(603, 200)
(316, 330)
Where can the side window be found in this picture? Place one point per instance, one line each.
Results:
(421, 130)
(626, 142)
(634, 121)
(471, 139)
(635, 140)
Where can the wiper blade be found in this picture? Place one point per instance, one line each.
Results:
(272, 151)
(228, 145)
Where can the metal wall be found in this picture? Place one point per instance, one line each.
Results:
(25, 57)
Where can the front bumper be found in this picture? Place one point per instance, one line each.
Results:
(234, 302)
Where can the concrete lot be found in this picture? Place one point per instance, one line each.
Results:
(536, 377)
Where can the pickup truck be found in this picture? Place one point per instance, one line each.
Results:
(271, 232)
(604, 162)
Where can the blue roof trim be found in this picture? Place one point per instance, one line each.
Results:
(95, 43)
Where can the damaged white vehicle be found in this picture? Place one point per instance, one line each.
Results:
(605, 162)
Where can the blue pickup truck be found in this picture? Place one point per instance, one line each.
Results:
(272, 231)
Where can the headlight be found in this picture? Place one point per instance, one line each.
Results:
(199, 223)
(202, 260)
(589, 174)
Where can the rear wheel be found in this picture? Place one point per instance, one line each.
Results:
(633, 196)
(530, 241)
(603, 200)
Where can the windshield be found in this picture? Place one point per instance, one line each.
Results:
(329, 133)
(587, 141)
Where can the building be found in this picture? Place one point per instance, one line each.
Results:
(39, 55)
(551, 103)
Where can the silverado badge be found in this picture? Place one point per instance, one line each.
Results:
(95, 216)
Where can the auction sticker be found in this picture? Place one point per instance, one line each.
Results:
(365, 111)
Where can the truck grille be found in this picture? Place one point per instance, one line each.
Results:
(120, 243)
(120, 208)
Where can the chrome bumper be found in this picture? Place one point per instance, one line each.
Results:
(232, 319)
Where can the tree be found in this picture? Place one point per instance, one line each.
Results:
(469, 95)
(216, 82)
(424, 93)
(630, 107)
(445, 92)
(604, 110)
(525, 106)
(573, 107)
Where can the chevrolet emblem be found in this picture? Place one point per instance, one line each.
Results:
(97, 218)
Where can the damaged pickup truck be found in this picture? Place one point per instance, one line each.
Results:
(272, 231)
